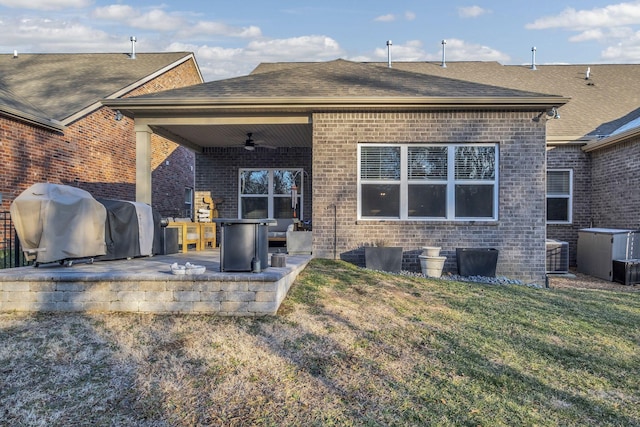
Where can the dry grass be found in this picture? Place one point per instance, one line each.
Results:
(348, 347)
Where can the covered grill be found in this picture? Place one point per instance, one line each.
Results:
(62, 223)
(132, 229)
(58, 222)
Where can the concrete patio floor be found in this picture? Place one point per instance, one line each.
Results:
(147, 285)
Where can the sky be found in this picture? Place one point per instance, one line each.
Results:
(230, 38)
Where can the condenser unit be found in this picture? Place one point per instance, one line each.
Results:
(557, 256)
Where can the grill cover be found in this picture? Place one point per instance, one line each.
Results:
(57, 222)
(121, 230)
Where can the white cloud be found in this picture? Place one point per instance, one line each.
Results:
(627, 50)
(305, 48)
(611, 25)
(593, 34)
(154, 19)
(459, 50)
(600, 35)
(157, 20)
(386, 18)
(471, 11)
(114, 12)
(411, 50)
(45, 4)
(390, 17)
(219, 63)
(215, 62)
(45, 35)
(609, 16)
(219, 28)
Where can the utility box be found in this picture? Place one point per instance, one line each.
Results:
(599, 247)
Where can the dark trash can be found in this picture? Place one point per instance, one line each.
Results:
(244, 244)
(477, 261)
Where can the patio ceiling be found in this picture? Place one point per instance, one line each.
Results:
(229, 135)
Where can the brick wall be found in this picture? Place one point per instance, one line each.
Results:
(218, 174)
(96, 153)
(173, 169)
(615, 183)
(518, 234)
(572, 157)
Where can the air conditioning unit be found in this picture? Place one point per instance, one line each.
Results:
(557, 256)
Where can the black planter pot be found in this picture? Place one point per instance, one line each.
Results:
(477, 261)
(383, 258)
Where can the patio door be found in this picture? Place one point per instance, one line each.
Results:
(270, 193)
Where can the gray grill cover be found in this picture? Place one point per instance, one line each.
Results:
(57, 222)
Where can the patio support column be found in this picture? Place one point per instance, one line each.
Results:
(143, 164)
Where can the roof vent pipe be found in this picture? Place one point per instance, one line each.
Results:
(389, 43)
(444, 63)
(133, 47)
(15, 54)
(588, 73)
(533, 58)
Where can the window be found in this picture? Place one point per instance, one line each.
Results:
(559, 196)
(428, 182)
(188, 202)
(267, 193)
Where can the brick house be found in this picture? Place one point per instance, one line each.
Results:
(376, 153)
(53, 127)
(593, 149)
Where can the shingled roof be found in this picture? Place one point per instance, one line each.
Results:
(57, 86)
(340, 79)
(15, 106)
(599, 104)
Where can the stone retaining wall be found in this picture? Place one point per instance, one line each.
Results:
(240, 295)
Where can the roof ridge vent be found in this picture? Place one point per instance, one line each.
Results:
(133, 47)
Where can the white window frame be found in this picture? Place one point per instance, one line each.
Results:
(568, 196)
(270, 195)
(450, 183)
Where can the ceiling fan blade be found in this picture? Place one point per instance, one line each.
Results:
(270, 147)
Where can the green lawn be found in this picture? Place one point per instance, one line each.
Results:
(348, 347)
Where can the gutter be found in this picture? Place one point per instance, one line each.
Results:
(312, 103)
(32, 119)
(611, 140)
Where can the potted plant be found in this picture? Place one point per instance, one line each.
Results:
(382, 257)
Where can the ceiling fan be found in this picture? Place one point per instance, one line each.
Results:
(250, 144)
